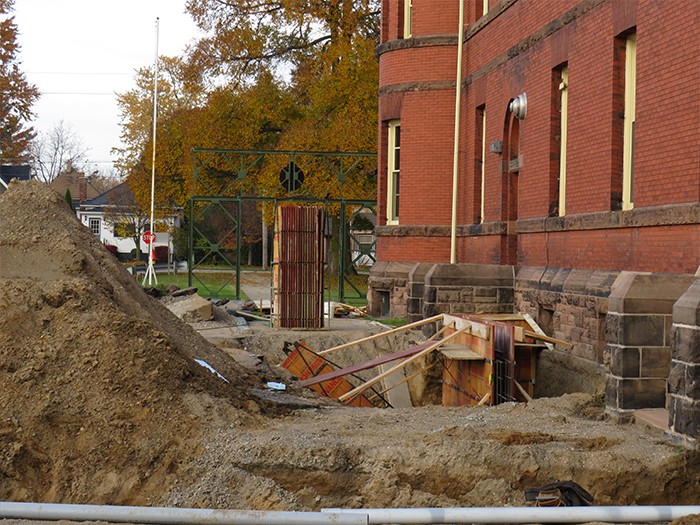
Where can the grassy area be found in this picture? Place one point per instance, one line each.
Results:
(351, 295)
(212, 281)
(215, 280)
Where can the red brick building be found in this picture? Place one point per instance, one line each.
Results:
(597, 177)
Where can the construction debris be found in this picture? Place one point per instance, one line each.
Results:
(192, 308)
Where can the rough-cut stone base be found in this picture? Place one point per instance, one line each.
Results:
(387, 294)
(684, 377)
(560, 373)
(638, 337)
(568, 304)
(622, 322)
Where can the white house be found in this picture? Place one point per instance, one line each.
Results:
(103, 213)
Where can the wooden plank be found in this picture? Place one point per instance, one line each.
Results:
(358, 390)
(536, 328)
(519, 333)
(501, 317)
(433, 319)
(522, 390)
(460, 353)
(541, 337)
(365, 366)
(480, 330)
(304, 362)
(485, 398)
(404, 380)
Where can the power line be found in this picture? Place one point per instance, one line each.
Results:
(75, 93)
(79, 73)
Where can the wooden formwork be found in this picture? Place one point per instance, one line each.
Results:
(491, 363)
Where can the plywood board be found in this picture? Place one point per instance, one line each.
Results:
(304, 363)
(459, 352)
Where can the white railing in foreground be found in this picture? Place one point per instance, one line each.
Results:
(642, 514)
(173, 515)
(477, 515)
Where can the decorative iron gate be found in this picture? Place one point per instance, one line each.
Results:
(226, 181)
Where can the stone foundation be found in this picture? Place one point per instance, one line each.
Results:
(684, 376)
(629, 339)
(387, 295)
(638, 338)
(568, 304)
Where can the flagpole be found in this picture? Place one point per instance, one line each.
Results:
(150, 271)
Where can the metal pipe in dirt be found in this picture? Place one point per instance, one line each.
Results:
(641, 514)
(167, 515)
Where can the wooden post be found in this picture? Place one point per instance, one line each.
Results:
(356, 391)
(383, 334)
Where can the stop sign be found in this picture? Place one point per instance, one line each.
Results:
(149, 237)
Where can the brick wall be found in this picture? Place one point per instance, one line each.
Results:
(514, 49)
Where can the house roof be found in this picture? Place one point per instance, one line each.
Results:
(71, 180)
(7, 173)
(119, 194)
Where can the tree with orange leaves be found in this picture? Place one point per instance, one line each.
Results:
(17, 95)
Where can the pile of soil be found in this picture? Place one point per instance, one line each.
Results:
(100, 397)
(102, 402)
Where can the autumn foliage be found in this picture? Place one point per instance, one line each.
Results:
(268, 75)
(17, 95)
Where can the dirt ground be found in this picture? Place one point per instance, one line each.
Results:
(102, 402)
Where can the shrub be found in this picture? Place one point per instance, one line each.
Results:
(161, 253)
(112, 249)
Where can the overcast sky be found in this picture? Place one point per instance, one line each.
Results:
(80, 52)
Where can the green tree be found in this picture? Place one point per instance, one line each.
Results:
(69, 200)
(17, 95)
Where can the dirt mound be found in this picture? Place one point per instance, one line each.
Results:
(100, 394)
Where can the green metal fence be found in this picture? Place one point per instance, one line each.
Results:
(226, 183)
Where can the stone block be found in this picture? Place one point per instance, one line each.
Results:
(684, 416)
(430, 294)
(483, 291)
(529, 278)
(676, 378)
(192, 308)
(655, 361)
(643, 330)
(640, 393)
(447, 295)
(668, 324)
(485, 300)
(416, 290)
(613, 329)
(413, 306)
(641, 293)
(506, 295)
(687, 308)
(692, 381)
(624, 361)
(466, 294)
(418, 272)
(555, 278)
(463, 308)
(685, 343)
(470, 275)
